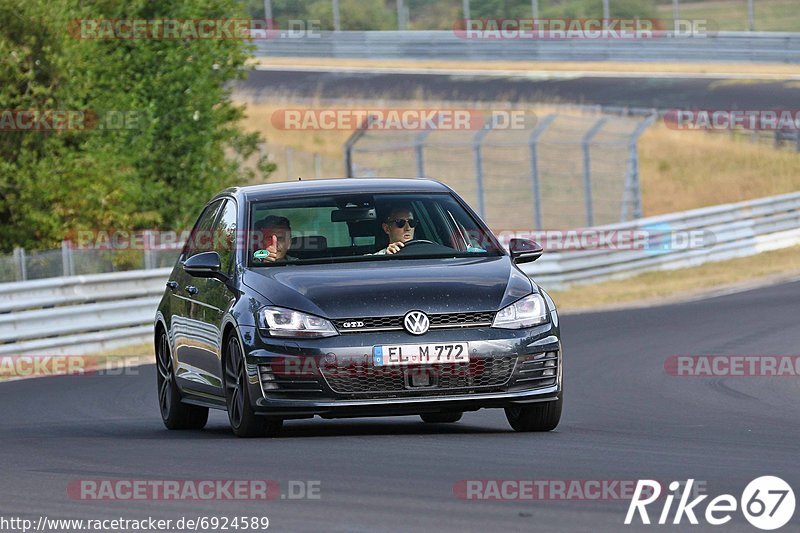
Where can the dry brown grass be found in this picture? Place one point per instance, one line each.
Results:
(653, 287)
(684, 170)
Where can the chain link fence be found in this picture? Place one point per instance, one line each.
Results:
(559, 171)
(23, 265)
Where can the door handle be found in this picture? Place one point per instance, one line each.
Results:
(172, 285)
(191, 289)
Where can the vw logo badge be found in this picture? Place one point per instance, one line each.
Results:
(416, 322)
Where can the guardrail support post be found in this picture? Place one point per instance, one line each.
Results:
(587, 169)
(476, 148)
(533, 142)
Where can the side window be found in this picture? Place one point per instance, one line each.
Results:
(225, 236)
(200, 238)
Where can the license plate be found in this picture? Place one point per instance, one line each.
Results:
(421, 354)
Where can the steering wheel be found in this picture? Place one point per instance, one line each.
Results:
(417, 241)
(429, 246)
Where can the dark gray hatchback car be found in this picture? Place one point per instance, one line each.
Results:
(348, 298)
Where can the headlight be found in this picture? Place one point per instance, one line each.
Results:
(280, 322)
(524, 313)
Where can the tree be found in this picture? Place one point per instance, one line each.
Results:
(178, 143)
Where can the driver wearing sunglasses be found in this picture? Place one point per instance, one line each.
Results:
(399, 226)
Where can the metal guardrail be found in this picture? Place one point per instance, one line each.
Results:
(79, 314)
(775, 47)
(87, 314)
(732, 230)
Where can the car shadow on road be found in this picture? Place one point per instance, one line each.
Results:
(350, 428)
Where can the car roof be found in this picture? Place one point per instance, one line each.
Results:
(315, 187)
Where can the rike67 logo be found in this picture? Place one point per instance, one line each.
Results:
(767, 503)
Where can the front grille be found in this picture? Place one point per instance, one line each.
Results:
(478, 373)
(437, 320)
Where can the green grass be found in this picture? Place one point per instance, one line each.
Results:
(770, 15)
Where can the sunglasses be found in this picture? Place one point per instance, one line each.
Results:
(401, 222)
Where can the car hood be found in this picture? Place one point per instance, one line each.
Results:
(391, 288)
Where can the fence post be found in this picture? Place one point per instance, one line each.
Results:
(22, 270)
(67, 267)
(336, 19)
(401, 24)
(533, 141)
(476, 147)
(149, 244)
(419, 146)
(587, 169)
(350, 143)
(633, 192)
(289, 163)
(317, 165)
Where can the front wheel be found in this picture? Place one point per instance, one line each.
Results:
(174, 413)
(244, 421)
(543, 416)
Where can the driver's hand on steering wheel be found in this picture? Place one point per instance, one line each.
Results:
(394, 247)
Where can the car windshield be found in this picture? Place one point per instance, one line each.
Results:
(366, 227)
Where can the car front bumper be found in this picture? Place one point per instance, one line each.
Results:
(294, 378)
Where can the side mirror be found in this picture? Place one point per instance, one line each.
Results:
(204, 265)
(524, 250)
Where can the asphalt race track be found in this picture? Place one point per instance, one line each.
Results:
(625, 418)
(658, 92)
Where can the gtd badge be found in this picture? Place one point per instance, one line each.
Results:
(353, 324)
(416, 322)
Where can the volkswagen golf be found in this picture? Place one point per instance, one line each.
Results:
(348, 298)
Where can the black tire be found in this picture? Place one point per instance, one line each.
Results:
(174, 413)
(542, 416)
(441, 418)
(244, 421)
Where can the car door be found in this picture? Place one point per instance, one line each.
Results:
(211, 299)
(189, 331)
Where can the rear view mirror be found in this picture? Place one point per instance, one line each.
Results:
(524, 250)
(352, 214)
